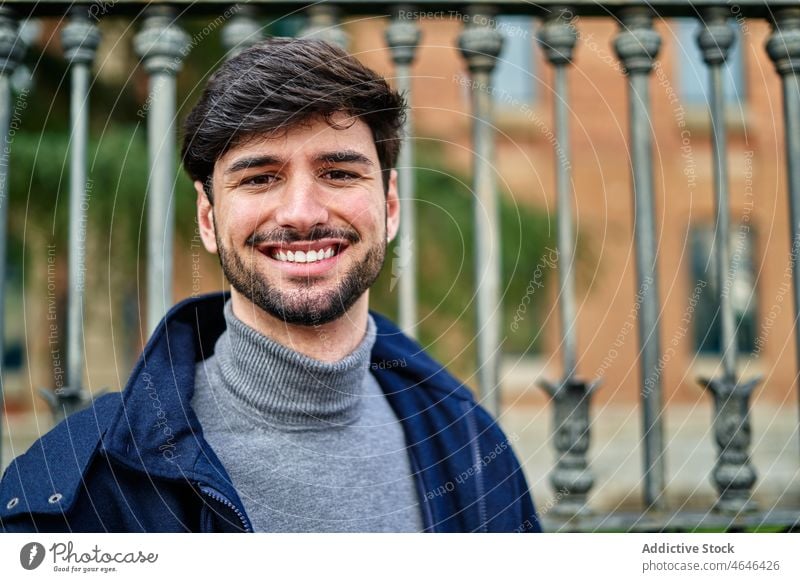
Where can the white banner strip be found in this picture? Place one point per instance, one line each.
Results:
(400, 557)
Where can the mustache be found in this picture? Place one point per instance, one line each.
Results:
(291, 235)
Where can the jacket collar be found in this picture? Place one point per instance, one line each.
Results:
(156, 430)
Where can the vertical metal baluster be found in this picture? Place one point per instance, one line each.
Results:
(480, 45)
(403, 36)
(571, 396)
(162, 45)
(323, 24)
(637, 45)
(733, 474)
(715, 40)
(79, 38)
(783, 47)
(242, 30)
(12, 50)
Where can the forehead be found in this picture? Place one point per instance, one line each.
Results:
(304, 140)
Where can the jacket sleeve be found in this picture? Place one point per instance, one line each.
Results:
(18, 510)
(29, 523)
(40, 488)
(508, 501)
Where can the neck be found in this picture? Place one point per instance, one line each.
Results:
(328, 342)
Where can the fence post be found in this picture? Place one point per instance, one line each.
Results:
(637, 46)
(79, 38)
(162, 45)
(242, 30)
(733, 474)
(571, 477)
(480, 45)
(323, 24)
(783, 48)
(402, 37)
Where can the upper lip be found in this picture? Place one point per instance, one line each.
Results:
(304, 246)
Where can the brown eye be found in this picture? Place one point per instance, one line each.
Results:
(259, 180)
(340, 175)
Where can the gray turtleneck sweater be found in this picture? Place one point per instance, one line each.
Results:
(310, 446)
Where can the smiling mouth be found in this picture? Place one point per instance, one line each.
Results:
(313, 252)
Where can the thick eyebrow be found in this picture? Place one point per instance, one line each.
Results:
(343, 156)
(254, 162)
(333, 157)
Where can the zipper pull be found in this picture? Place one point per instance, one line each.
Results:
(220, 498)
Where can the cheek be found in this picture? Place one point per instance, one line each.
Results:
(244, 218)
(361, 212)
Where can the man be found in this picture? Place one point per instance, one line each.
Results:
(287, 405)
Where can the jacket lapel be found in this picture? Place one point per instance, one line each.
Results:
(156, 430)
(434, 409)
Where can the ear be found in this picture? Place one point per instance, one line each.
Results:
(205, 218)
(392, 207)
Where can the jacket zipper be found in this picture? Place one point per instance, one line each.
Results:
(217, 496)
(476, 456)
(427, 516)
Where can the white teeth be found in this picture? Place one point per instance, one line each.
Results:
(303, 257)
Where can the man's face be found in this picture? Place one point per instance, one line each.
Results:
(300, 221)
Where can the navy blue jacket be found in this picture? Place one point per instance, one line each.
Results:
(136, 460)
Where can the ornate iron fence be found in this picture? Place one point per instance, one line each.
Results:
(163, 46)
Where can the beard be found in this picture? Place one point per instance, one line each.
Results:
(301, 302)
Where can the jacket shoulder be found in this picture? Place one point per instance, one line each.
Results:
(397, 355)
(47, 478)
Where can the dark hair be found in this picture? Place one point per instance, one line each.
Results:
(280, 83)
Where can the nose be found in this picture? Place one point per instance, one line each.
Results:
(302, 206)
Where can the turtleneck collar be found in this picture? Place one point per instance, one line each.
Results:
(285, 387)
